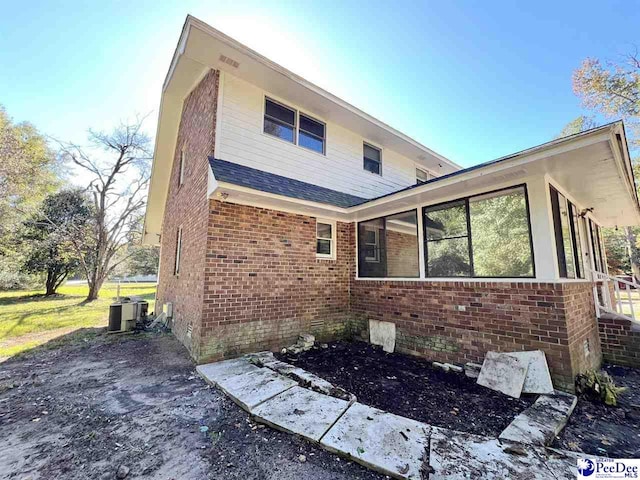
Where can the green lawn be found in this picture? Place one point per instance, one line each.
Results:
(28, 319)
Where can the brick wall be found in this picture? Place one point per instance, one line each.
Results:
(187, 206)
(620, 340)
(498, 316)
(264, 284)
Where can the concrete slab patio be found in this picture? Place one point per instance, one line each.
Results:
(301, 412)
(388, 443)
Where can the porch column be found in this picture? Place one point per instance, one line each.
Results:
(542, 232)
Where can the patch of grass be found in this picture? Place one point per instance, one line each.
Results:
(28, 318)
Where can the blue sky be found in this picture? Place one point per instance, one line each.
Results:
(472, 80)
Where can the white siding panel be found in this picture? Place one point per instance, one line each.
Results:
(242, 141)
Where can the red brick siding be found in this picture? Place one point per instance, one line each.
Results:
(620, 340)
(498, 316)
(187, 206)
(582, 326)
(264, 284)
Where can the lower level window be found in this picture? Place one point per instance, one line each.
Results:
(325, 240)
(482, 236)
(176, 270)
(388, 246)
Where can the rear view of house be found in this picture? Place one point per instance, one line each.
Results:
(282, 209)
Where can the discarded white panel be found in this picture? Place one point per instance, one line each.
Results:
(384, 334)
(538, 379)
(503, 373)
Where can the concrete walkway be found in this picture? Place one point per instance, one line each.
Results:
(292, 400)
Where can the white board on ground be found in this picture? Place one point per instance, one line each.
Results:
(383, 334)
(220, 371)
(538, 379)
(384, 442)
(302, 412)
(503, 373)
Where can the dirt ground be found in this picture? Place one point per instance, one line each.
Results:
(411, 387)
(597, 429)
(97, 403)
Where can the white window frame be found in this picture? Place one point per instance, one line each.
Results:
(296, 128)
(332, 254)
(376, 147)
(176, 268)
(182, 162)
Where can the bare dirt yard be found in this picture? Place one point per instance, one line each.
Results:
(92, 405)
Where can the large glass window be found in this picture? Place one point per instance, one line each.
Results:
(567, 236)
(500, 239)
(388, 246)
(482, 236)
(447, 240)
(596, 247)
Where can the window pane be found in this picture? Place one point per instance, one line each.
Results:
(324, 230)
(388, 247)
(448, 258)
(280, 112)
(500, 235)
(577, 245)
(310, 142)
(371, 153)
(567, 241)
(323, 246)
(371, 166)
(402, 245)
(446, 221)
(311, 126)
(281, 130)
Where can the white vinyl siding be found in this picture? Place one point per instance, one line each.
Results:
(243, 141)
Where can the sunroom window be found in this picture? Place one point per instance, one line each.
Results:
(482, 236)
(567, 236)
(388, 246)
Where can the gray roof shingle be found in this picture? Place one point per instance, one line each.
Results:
(268, 182)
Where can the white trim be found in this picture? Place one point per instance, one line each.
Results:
(219, 109)
(333, 240)
(471, 279)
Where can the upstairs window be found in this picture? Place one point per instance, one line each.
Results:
(311, 134)
(181, 176)
(372, 159)
(325, 239)
(279, 121)
(178, 251)
(422, 176)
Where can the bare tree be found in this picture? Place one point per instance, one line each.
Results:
(118, 190)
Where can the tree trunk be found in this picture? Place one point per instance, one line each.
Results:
(94, 288)
(50, 283)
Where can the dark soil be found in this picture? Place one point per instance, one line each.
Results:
(412, 388)
(597, 429)
(84, 406)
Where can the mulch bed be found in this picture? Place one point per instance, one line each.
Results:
(411, 387)
(597, 429)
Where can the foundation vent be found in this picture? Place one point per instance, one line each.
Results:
(189, 330)
(229, 61)
(317, 323)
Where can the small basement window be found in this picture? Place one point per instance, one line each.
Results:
(311, 134)
(279, 121)
(422, 176)
(178, 251)
(325, 239)
(372, 159)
